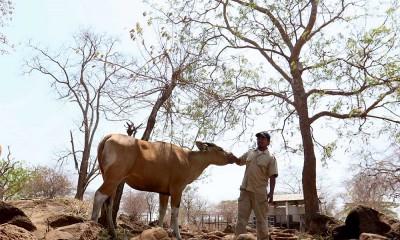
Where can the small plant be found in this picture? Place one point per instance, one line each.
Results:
(76, 207)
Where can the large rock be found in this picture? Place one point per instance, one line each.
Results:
(394, 232)
(371, 236)
(12, 232)
(229, 237)
(247, 236)
(153, 234)
(230, 228)
(63, 220)
(363, 219)
(282, 234)
(131, 224)
(79, 231)
(15, 216)
(323, 225)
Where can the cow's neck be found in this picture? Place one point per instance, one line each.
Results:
(198, 162)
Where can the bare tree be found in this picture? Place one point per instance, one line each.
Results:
(47, 182)
(159, 82)
(187, 203)
(193, 206)
(137, 203)
(383, 168)
(134, 204)
(83, 74)
(227, 209)
(151, 204)
(6, 12)
(292, 183)
(328, 199)
(369, 191)
(349, 78)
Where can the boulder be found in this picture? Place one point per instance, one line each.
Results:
(369, 220)
(55, 234)
(247, 236)
(371, 236)
(394, 232)
(219, 233)
(208, 237)
(153, 234)
(79, 231)
(13, 232)
(63, 220)
(229, 237)
(131, 224)
(363, 219)
(15, 216)
(250, 229)
(230, 228)
(323, 225)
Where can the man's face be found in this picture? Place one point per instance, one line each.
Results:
(262, 142)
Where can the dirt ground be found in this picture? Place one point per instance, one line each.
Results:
(40, 210)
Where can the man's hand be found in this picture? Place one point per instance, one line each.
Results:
(234, 159)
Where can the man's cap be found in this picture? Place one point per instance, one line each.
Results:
(264, 134)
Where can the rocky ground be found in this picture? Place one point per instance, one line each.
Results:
(68, 219)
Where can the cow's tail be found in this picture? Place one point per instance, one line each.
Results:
(100, 152)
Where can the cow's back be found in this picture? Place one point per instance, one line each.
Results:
(143, 165)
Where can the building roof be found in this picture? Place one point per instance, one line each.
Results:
(291, 199)
(288, 197)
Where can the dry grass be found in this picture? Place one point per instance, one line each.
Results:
(76, 207)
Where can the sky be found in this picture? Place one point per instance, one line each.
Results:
(33, 122)
(35, 125)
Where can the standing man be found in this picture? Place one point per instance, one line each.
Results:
(261, 166)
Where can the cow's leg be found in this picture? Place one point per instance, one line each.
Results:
(99, 199)
(105, 194)
(109, 210)
(162, 208)
(175, 202)
(174, 221)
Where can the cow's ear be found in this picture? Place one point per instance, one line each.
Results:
(201, 146)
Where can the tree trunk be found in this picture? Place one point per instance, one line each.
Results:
(82, 179)
(309, 178)
(309, 167)
(1, 193)
(84, 165)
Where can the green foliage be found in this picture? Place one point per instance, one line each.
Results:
(328, 151)
(343, 67)
(380, 32)
(13, 179)
(137, 32)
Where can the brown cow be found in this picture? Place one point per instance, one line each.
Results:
(151, 166)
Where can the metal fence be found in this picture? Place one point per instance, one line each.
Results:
(216, 222)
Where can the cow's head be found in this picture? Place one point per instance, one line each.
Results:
(218, 155)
